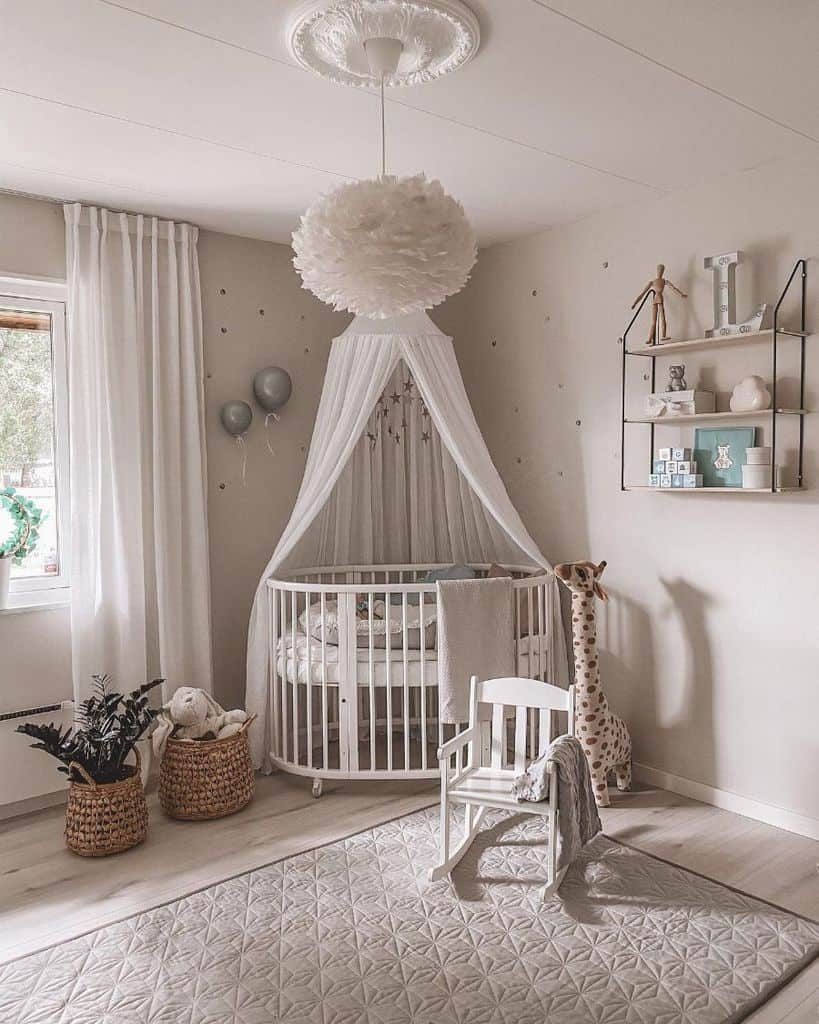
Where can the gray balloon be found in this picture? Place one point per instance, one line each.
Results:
(236, 417)
(272, 387)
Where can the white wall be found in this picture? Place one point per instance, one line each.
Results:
(711, 645)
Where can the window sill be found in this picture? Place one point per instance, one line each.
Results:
(37, 601)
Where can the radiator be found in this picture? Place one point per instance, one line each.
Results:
(26, 773)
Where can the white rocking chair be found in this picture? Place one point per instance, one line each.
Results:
(478, 786)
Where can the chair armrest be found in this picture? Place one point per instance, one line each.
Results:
(451, 746)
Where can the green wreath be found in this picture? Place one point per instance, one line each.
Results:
(26, 518)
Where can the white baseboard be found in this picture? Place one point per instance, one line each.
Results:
(768, 813)
(33, 803)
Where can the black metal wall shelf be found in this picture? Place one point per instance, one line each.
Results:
(773, 336)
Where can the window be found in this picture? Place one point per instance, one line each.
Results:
(33, 425)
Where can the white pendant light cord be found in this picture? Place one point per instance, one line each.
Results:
(383, 132)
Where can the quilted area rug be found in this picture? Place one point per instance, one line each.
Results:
(353, 933)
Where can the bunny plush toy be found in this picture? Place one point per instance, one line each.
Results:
(192, 714)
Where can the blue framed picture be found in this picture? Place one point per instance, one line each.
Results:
(720, 454)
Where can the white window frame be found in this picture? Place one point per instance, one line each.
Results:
(44, 296)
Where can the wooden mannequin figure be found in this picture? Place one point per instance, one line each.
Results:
(658, 304)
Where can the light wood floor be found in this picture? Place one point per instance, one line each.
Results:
(48, 895)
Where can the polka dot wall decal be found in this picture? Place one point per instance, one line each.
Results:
(224, 330)
(222, 291)
(221, 487)
(261, 312)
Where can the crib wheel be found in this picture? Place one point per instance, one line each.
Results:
(316, 788)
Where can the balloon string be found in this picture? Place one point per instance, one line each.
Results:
(266, 425)
(240, 441)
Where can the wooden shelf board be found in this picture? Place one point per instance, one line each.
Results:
(665, 348)
(672, 421)
(714, 490)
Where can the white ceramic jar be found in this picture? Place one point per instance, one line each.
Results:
(756, 477)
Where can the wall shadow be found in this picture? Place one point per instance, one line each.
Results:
(690, 732)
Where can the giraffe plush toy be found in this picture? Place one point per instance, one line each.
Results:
(604, 736)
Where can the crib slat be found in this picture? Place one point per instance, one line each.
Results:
(518, 630)
(373, 726)
(309, 705)
(541, 601)
(293, 617)
(405, 636)
(325, 724)
(285, 684)
(520, 738)
(423, 693)
(498, 736)
(531, 624)
(275, 693)
(388, 668)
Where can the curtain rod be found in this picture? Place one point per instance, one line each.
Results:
(56, 201)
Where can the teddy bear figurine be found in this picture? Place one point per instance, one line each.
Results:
(676, 379)
(192, 714)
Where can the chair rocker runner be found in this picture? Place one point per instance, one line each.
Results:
(478, 786)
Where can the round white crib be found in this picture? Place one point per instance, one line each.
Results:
(354, 668)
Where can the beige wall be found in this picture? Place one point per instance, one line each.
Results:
(294, 332)
(711, 645)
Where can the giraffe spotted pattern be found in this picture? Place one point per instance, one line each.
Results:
(603, 736)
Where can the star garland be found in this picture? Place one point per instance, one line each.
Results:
(397, 402)
(26, 518)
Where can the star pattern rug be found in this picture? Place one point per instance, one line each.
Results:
(353, 933)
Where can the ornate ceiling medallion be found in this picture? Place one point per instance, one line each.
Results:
(436, 36)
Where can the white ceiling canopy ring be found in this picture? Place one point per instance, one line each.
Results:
(436, 37)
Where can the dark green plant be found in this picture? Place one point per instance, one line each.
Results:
(108, 724)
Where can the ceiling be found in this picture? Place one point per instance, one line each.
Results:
(193, 109)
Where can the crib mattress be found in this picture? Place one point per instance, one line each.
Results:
(417, 672)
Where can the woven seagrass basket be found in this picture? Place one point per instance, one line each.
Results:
(203, 779)
(105, 818)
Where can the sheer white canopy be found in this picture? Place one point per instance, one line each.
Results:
(381, 489)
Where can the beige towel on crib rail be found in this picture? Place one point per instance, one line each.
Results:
(475, 637)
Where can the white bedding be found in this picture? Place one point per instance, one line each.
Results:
(379, 661)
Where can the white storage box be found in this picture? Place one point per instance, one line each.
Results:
(682, 403)
(758, 456)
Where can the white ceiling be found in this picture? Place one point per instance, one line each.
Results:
(193, 109)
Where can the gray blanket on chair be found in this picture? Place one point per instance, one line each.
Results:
(577, 819)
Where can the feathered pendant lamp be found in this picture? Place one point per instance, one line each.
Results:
(386, 246)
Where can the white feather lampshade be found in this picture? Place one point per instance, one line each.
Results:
(385, 247)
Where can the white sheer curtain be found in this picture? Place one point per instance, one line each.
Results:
(401, 498)
(442, 499)
(140, 600)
